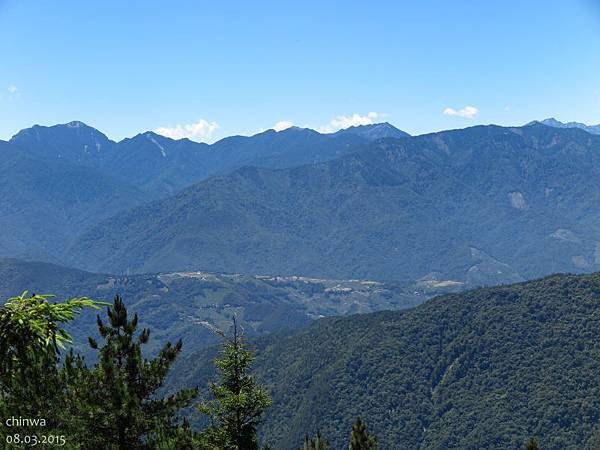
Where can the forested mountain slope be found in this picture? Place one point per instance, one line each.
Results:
(187, 305)
(488, 368)
(45, 204)
(483, 205)
(58, 181)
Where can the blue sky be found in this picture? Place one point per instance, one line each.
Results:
(212, 69)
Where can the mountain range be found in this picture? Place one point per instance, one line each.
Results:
(461, 208)
(552, 122)
(161, 166)
(483, 205)
(318, 244)
(57, 181)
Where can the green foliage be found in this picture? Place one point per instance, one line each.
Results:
(180, 438)
(31, 325)
(487, 368)
(316, 443)
(116, 401)
(360, 439)
(31, 335)
(532, 444)
(238, 403)
(593, 442)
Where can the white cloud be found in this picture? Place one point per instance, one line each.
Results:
(468, 112)
(13, 89)
(341, 122)
(282, 125)
(199, 131)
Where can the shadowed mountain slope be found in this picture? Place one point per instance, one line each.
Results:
(161, 166)
(45, 204)
(476, 206)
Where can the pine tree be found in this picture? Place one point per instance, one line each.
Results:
(316, 443)
(532, 444)
(238, 403)
(360, 439)
(116, 401)
(182, 438)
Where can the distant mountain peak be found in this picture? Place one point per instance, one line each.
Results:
(152, 137)
(149, 136)
(74, 127)
(73, 141)
(374, 131)
(76, 124)
(292, 129)
(552, 122)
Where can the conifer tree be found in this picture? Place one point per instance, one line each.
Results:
(360, 439)
(238, 402)
(181, 438)
(116, 401)
(532, 444)
(316, 443)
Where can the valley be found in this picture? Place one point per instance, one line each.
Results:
(189, 305)
(307, 225)
(352, 262)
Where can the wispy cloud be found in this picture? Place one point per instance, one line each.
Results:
(468, 112)
(11, 93)
(341, 122)
(200, 131)
(282, 125)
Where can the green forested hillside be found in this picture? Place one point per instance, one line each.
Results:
(485, 369)
(187, 304)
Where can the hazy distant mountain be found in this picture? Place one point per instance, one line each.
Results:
(75, 142)
(46, 203)
(375, 131)
(486, 369)
(162, 166)
(453, 209)
(291, 147)
(157, 164)
(476, 206)
(57, 181)
(552, 122)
